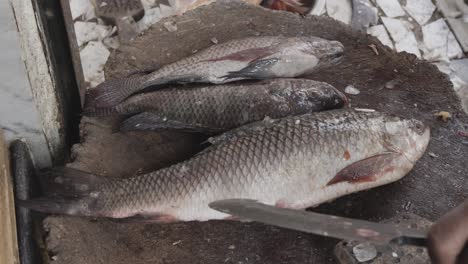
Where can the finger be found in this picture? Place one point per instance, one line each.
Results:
(449, 235)
(441, 250)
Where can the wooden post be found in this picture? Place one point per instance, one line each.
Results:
(8, 239)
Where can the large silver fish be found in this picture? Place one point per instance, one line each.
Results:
(247, 58)
(214, 109)
(297, 162)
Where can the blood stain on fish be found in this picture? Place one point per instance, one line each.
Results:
(347, 155)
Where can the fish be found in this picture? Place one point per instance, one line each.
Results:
(298, 162)
(239, 59)
(215, 109)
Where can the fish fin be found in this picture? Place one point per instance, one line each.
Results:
(69, 192)
(112, 92)
(48, 205)
(69, 182)
(148, 219)
(153, 121)
(366, 170)
(257, 69)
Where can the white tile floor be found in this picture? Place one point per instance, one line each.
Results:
(18, 115)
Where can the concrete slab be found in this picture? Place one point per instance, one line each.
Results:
(391, 8)
(404, 38)
(420, 10)
(18, 114)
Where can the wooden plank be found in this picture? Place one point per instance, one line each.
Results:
(8, 240)
(74, 49)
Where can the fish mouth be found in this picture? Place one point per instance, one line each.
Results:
(342, 96)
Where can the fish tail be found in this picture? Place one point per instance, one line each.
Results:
(67, 191)
(112, 92)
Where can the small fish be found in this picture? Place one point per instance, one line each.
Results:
(289, 164)
(247, 58)
(222, 107)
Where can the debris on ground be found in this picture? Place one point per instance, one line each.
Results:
(374, 49)
(171, 26)
(364, 252)
(443, 115)
(364, 110)
(391, 84)
(433, 155)
(350, 89)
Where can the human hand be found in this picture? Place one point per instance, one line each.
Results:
(448, 238)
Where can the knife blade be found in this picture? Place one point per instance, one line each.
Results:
(321, 224)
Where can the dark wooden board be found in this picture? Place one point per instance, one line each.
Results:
(432, 188)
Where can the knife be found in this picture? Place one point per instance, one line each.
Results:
(321, 224)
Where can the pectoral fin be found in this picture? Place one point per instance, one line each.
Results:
(258, 69)
(366, 170)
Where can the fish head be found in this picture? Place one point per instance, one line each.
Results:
(328, 52)
(408, 137)
(324, 94)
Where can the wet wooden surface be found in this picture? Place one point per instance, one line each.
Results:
(436, 184)
(8, 241)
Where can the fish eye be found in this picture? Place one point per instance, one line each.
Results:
(419, 127)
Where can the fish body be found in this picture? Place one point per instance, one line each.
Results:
(247, 58)
(223, 107)
(297, 162)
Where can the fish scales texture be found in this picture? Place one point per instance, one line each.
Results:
(289, 163)
(224, 107)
